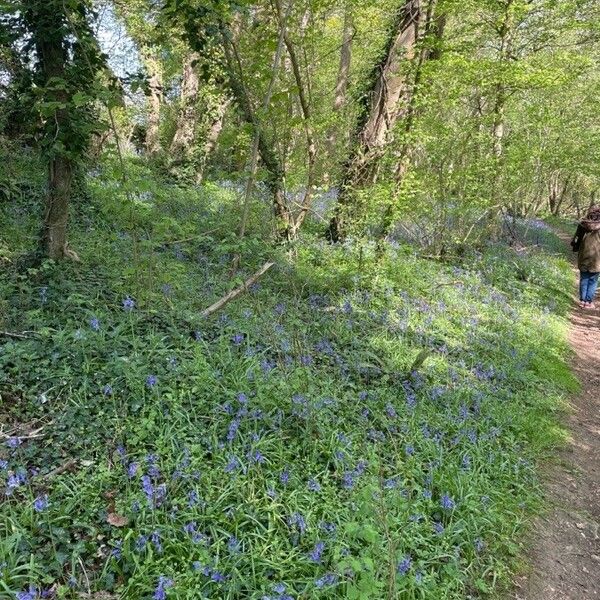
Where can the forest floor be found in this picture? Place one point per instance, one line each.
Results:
(566, 542)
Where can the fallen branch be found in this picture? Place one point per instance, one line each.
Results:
(18, 336)
(235, 293)
(25, 436)
(61, 469)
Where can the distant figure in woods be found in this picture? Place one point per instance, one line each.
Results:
(587, 243)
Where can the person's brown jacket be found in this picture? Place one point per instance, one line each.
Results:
(589, 248)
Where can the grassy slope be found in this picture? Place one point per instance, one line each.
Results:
(285, 421)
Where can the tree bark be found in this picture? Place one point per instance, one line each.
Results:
(187, 117)
(387, 102)
(273, 165)
(155, 99)
(212, 137)
(53, 57)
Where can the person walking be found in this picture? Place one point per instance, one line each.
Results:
(586, 243)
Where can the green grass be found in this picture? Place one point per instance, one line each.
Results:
(331, 438)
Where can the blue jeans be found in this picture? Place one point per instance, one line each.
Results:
(588, 284)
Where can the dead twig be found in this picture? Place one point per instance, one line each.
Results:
(235, 293)
(23, 335)
(61, 469)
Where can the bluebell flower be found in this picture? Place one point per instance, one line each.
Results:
(404, 565)
(284, 477)
(218, 577)
(427, 494)
(238, 338)
(313, 485)
(306, 360)
(232, 465)
(30, 594)
(44, 294)
(155, 539)
(296, 519)
(160, 593)
(166, 289)
(279, 588)
(317, 552)
(479, 545)
(242, 398)
(257, 457)
(410, 450)
(418, 577)
(140, 543)
(41, 503)
(3, 465)
(348, 481)
(95, 324)
(233, 429)
(438, 527)
(447, 502)
(148, 489)
(362, 396)
(14, 442)
(132, 470)
(128, 303)
(326, 580)
(193, 498)
(107, 390)
(117, 552)
(391, 411)
(391, 483)
(233, 545)
(151, 381)
(330, 528)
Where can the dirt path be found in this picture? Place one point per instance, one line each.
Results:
(565, 552)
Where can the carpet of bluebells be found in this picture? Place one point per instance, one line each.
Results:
(363, 423)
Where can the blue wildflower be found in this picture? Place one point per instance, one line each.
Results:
(232, 465)
(132, 470)
(218, 577)
(404, 565)
(160, 593)
(128, 303)
(41, 503)
(151, 381)
(30, 594)
(95, 324)
(257, 457)
(296, 519)
(238, 338)
(438, 528)
(317, 552)
(107, 390)
(313, 485)
(447, 502)
(479, 545)
(3, 464)
(14, 442)
(140, 543)
(326, 580)
(348, 481)
(155, 539)
(284, 477)
(233, 429)
(233, 545)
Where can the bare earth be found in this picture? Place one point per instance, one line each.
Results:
(565, 553)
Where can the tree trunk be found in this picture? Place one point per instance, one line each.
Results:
(341, 86)
(53, 56)
(387, 102)
(272, 163)
(212, 137)
(187, 118)
(54, 234)
(155, 98)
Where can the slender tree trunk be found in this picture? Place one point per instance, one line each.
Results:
(272, 163)
(187, 118)
(60, 169)
(388, 101)
(343, 78)
(155, 99)
(212, 137)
